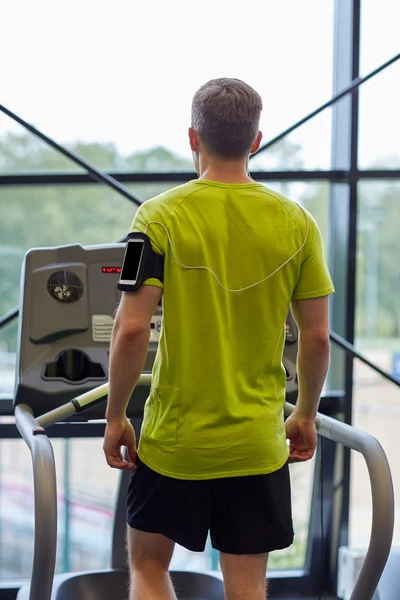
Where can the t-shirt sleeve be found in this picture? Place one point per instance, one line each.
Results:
(155, 232)
(314, 278)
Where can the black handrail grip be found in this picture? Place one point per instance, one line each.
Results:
(97, 175)
(347, 90)
(350, 349)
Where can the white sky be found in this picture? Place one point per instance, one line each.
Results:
(125, 71)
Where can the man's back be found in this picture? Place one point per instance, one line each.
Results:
(236, 255)
(216, 404)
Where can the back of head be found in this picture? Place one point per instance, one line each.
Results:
(226, 114)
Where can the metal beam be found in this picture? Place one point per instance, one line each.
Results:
(351, 88)
(9, 317)
(179, 177)
(94, 173)
(352, 352)
(343, 222)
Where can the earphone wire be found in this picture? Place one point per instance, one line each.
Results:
(212, 272)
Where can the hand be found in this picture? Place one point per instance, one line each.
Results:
(120, 433)
(302, 436)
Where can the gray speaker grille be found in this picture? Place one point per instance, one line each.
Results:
(65, 286)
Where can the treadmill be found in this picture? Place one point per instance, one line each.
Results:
(68, 300)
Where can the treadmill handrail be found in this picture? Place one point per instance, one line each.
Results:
(45, 503)
(355, 439)
(382, 498)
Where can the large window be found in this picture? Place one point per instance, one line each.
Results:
(86, 489)
(379, 121)
(120, 97)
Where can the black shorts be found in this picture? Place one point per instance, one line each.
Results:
(244, 515)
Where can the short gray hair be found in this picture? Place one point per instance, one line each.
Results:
(226, 114)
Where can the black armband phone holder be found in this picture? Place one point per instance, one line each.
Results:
(143, 260)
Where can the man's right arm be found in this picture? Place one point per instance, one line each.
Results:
(310, 311)
(312, 318)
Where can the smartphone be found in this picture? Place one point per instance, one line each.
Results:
(132, 261)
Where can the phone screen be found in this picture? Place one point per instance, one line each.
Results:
(132, 258)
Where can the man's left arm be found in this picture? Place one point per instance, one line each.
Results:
(129, 343)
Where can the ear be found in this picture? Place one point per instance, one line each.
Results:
(193, 139)
(257, 143)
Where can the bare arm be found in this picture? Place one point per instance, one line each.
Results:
(312, 318)
(129, 343)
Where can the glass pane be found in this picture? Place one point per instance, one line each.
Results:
(87, 491)
(8, 337)
(86, 499)
(379, 97)
(308, 147)
(135, 97)
(22, 152)
(16, 509)
(379, 32)
(376, 401)
(379, 122)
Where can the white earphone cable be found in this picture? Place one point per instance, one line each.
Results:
(212, 272)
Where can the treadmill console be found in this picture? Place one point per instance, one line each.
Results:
(69, 298)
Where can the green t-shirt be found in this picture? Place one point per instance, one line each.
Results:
(218, 388)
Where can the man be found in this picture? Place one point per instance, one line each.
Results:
(213, 455)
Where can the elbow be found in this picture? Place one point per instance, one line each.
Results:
(130, 330)
(318, 340)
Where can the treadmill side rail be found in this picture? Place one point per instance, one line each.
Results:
(45, 502)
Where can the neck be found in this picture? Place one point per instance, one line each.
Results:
(224, 171)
